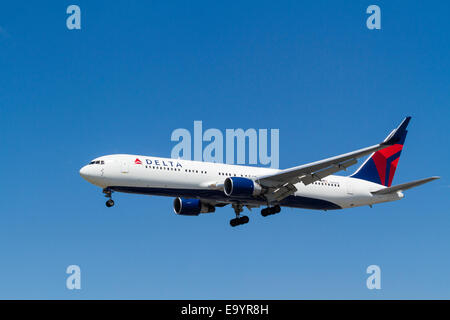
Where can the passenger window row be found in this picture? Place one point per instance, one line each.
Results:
(234, 175)
(322, 183)
(175, 169)
(163, 168)
(194, 171)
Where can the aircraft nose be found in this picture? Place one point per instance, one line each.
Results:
(92, 174)
(84, 172)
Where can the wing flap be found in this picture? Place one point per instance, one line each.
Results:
(282, 192)
(310, 178)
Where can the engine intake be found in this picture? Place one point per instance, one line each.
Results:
(191, 207)
(236, 186)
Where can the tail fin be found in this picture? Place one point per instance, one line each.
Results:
(380, 166)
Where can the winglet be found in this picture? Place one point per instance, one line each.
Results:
(397, 136)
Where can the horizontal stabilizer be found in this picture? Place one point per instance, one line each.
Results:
(405, 186)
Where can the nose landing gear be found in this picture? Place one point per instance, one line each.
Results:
(109, 202)
(239, 219)
(270, 210)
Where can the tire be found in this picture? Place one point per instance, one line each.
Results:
(244, 220)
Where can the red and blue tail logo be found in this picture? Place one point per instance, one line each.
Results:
(380, 167)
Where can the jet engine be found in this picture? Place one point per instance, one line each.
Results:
(238, 187)
(191, 207)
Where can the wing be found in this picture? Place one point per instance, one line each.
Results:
(282, 184)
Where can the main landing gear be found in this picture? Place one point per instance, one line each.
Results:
(108, 193)
(270, 210)
(239, 219)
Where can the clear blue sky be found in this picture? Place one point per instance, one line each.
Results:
(138, 70)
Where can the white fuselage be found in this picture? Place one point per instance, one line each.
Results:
(204, 180)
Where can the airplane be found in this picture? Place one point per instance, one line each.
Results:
(200, 187)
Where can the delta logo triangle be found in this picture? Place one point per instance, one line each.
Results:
(137, 161)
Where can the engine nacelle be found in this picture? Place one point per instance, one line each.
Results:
(191, 207)
(236, 186)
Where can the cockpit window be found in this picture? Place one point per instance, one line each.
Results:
(97, 162)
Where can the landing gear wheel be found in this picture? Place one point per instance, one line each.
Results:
(234, 222)
(238, 208)
(270, 210)
(265, 212)
(108, 193)
(243, 220)
(238, 221)
(110, 203)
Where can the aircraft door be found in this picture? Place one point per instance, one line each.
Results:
(349, 187)
(124, 168)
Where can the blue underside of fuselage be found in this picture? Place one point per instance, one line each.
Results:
(217, 195)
